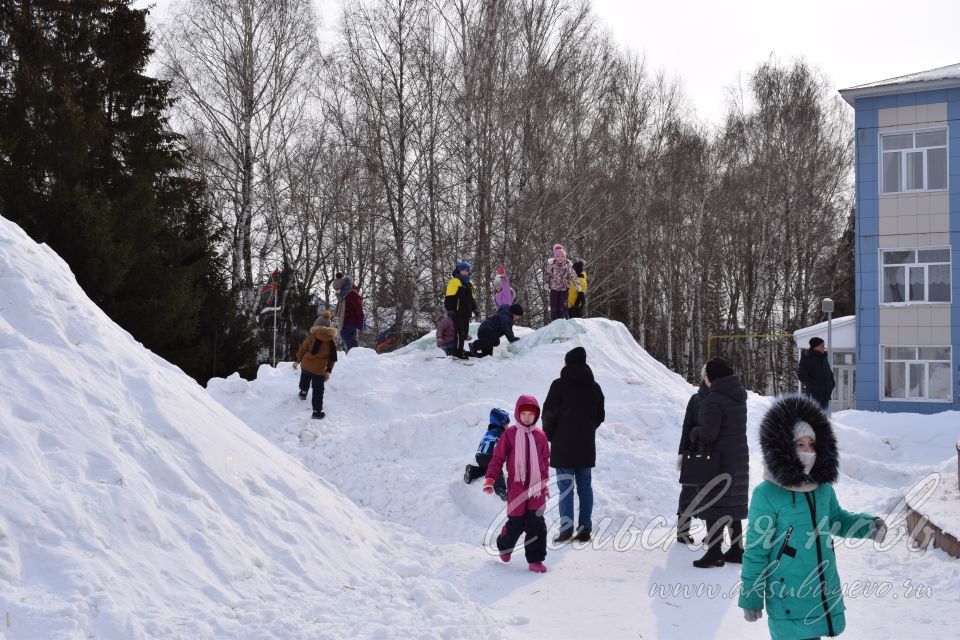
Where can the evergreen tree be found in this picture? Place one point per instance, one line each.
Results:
(841, 271)
(89, 165)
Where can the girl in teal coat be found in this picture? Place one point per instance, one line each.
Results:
(789, 566)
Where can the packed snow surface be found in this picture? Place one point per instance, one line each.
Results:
(400, 427)
(139, 505)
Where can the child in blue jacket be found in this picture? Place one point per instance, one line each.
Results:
(499, 419)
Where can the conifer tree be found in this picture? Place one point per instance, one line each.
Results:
(89, 165)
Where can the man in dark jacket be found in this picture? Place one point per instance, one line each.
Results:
(689, 491)
(816, 374)
(571, 414)
(723, 431)
(495, 327)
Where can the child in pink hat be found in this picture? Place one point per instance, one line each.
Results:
(501, 285)
(557, 277)
(524, 448)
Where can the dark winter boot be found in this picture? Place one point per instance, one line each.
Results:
(461, 355)
(471, 473)
(683, 532)
(712, 558)
(318, 415)
(564, 536)
(734, 555)
(714, 555)
(501, 491)
(303, 394)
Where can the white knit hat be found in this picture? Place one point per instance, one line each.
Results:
(803, 429)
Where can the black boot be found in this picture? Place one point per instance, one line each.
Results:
(714, 555)
(712, 558)
(734, 555)
(683, 531)
(471, 473)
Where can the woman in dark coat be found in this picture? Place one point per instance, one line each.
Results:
(572, 412)
(689, 491)
(723, 430)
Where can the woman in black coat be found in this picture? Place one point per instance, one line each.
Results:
(571, 414)
(689, 491)
(723, 431)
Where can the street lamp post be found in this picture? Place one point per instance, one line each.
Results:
(827, 307)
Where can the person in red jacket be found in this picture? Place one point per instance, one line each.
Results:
(524, 449)
(349, 310)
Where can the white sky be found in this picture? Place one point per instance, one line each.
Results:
(709, 45)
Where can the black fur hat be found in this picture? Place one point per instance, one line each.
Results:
(777, 442)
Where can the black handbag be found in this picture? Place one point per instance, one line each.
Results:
(699, 467)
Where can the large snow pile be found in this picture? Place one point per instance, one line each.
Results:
(135, 506)
(400, 427)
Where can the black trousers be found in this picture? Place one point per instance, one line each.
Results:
(461, 325)
(715, 535)
(307, 380)
(535, 543)
(482, 347)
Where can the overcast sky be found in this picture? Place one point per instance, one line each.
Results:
(709, 45)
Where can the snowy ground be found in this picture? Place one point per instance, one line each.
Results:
(400, 428)
(139, 505)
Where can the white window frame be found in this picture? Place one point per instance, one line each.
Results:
(903, 161)
(926, 371)
(906, 282)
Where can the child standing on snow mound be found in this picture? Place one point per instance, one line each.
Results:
(557, 276)
(524, 449)
(317, 355)
(460, 301)
(577, 298)
(498, 422)
(789, 566)
(501, 285)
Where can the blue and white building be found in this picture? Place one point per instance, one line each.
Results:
(908, 241)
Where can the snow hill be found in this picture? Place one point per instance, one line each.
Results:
(135, 506)
(400, 427)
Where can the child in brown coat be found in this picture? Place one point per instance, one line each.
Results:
(317, 354)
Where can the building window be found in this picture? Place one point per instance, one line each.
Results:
(916, 276)
(916, 373)
(914, 161)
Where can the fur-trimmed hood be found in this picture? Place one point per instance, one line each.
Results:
(323, 333)
(780, 461)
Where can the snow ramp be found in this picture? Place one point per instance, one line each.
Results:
(138, 507)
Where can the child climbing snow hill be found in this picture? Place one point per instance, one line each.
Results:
(499, 419)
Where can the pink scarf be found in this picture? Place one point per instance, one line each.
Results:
(524, 441)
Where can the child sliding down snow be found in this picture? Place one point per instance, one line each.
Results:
(523, 447)
(498, 422)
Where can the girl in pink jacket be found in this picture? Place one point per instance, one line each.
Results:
(501, 286)
(524, 449)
